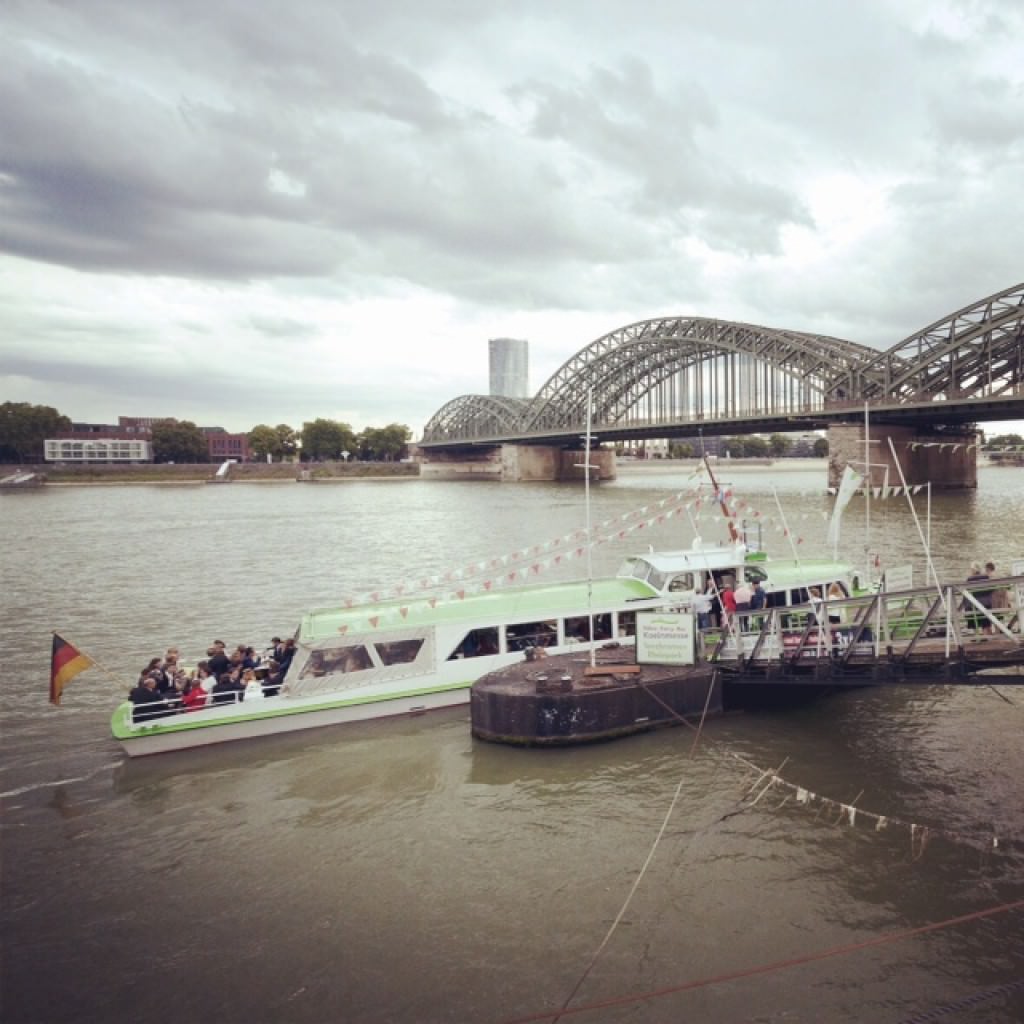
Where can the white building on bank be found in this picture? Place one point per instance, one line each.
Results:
(100, 449)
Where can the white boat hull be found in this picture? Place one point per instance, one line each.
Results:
(284, 719)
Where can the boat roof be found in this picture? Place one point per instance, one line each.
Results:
(502, 605)
(700, 556)
(780, 571)
(788, 572)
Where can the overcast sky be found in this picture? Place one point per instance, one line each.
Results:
(245, 211)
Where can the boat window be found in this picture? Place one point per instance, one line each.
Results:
(775, 599)
(477, 643)
(753, 572)
(399, 652)
(531, 634)
(657, 579)
(635, 568)
(680, 583)
(577, 629)
(353, 658)
(627, 623)
(799, 595)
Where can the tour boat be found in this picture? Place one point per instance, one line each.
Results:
(403, 657)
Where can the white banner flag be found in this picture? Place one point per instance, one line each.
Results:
(847, 486)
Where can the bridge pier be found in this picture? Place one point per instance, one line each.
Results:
(946, 459)
(517, 463)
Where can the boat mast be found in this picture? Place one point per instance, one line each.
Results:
(720, 498)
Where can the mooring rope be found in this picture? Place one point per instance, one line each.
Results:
(629, 896)
(966, 1003)
(777, 965)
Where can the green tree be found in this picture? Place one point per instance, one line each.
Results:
(288, 439)
(1004, 441)
(178, 441)
(680, 450)
(755, 447)
(24, 427)
(327, 439)
(779, 445)
(264, 441)
(384, 444)
(820, 448)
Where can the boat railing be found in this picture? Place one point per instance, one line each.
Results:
(868, 624)
(173, 708)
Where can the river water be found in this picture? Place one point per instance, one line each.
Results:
(400, 871)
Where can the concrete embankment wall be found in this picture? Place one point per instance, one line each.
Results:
(518, 463)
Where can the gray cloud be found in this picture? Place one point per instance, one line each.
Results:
(534, 158)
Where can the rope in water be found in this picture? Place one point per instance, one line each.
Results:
(778, 965)
(966, 1003)
(555, 1016)
(643, 870)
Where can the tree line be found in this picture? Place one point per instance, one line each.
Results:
(24, 427)
(750, 447)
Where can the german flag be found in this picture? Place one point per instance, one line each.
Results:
(65, 663)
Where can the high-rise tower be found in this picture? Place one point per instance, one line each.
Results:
(510, 367)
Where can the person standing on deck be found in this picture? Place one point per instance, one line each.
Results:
(702, 609)
(757, 598)
(999, 597)
(728, 597)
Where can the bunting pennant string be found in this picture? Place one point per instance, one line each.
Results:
(608, 530)
(849, 814)
(489, 584)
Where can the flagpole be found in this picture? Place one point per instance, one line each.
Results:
(590, 545)
(867, 494)
(785, 525)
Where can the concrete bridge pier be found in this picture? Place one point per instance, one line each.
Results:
(517, 463)
(946, 459)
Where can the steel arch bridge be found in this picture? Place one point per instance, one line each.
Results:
(680, 374)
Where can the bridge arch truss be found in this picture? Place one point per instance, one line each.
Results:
(679, 370)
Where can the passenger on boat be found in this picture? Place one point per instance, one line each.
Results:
(287, 653)
(272, 684)
(204, 677)
(147, 702)
(152, 666)
(976, 620)
(217, 660)
(757, 603)
(1000, 601)
(228, 690)
(742, 594)
(253, 687)
(194, 697)
(727, 597)
(702, 608)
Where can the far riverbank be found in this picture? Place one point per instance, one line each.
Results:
(202, 473)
